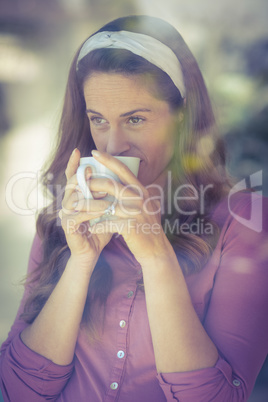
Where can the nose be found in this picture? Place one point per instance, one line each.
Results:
(117, 142)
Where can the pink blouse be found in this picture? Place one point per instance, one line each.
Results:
(230, 296)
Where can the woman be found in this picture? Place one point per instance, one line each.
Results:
(169, 304)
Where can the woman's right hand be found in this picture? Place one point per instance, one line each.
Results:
(75, 215)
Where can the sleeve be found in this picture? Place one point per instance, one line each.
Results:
(24, 374)
(236, 318)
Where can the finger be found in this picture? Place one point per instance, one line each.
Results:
(118, 210)
(73, 164)
(85, 210)
(70, 226)
(69, 203)
(72, 184)
(78, 204)
(71, 223)
(116, 189)
(72, 193)
(98, 195)
(109, 226)
(91, 206)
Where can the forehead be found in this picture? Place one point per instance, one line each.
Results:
(111, 89)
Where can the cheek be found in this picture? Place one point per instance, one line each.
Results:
(162, 146)
(99, 141)
(158, 156)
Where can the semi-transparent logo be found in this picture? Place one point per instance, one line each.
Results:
(255, 183)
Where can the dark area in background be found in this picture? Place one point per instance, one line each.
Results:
(247, 143)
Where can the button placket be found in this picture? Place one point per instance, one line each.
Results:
(121, 351)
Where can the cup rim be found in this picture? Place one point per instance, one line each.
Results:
(117, 157)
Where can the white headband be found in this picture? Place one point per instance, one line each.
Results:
(145, 46)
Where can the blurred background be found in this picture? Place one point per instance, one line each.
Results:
(37, 42)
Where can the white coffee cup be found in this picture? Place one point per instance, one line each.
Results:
(101, 171)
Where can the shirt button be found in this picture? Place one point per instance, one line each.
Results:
(122, 323)
(236, 383)
(120, 354)
(130, 294)
(114, 385)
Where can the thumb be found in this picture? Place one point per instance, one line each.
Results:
(73, 163)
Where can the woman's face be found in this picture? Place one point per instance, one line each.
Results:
(126, 120)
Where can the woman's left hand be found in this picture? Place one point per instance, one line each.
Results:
(137, 215)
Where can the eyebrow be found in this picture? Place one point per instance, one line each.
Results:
(121, 115)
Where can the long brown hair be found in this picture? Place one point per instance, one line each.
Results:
(193, 164)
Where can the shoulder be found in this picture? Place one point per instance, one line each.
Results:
(244, 233)
(243, 210)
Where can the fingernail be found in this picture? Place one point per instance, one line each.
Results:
(95, 153)
(99, 194)
(74, 152)
(88, 173)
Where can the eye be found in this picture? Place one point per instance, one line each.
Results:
(97, 121)
(135, 120)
